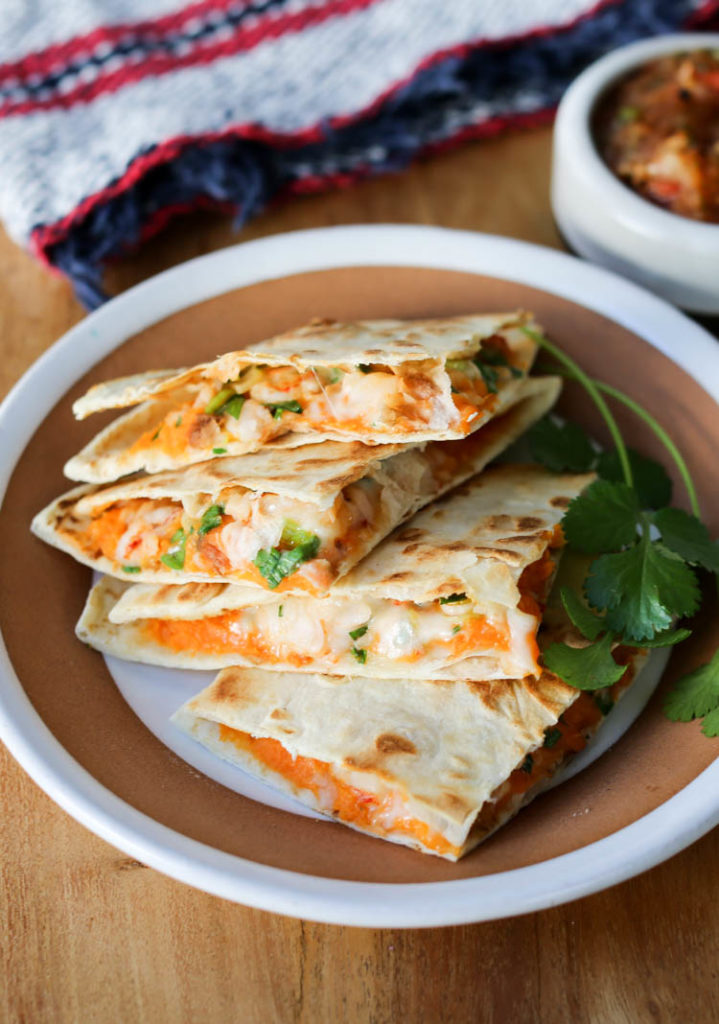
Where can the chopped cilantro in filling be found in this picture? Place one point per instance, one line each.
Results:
(298, 546)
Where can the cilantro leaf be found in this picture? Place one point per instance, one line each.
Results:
(211, 518)
(688, 537)
(651, 482)
(696, 694)
(604, 703)
(710, 725)
(552, 737)
(642, 589)
(275, 565)
(588, 624)
(174, 558)
(667, 638)
(586, 668)
(561, 446)
(604, 517)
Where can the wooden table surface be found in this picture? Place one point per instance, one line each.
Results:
(89, 935)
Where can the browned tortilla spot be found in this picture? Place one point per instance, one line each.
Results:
(388, 743)
(529, 523)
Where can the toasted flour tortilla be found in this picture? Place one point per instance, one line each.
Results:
(384, 381)
(437, 766)
(346, 495)
(450, 595)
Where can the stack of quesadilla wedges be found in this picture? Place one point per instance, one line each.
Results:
(312, 515)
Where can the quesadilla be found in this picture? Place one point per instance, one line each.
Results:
(379, 382)
(292, 521)
(437, 766)
(457, 593)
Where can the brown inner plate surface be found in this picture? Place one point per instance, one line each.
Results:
(42, 591)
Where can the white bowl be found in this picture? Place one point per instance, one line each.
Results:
(604, 220)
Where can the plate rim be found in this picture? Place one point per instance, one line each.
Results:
(673, 825)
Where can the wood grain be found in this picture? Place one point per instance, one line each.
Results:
(89, 935)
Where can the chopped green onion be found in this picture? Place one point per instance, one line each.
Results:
(364, 367)
(293, 535)
(156, 434)
(528, 764)
(453, 599)
(277, 408)
(216, 403)
(280, 611)
(456, 629)
(175, 557)
(131, 568)
(233, 406)
(211, 518)
(219, 451)
(360, 654)
(178, 421)
(357, 633)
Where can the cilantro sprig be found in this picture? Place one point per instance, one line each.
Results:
(644, 577)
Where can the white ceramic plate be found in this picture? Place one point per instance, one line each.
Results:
(657, 835)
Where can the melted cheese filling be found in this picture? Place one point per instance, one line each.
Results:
(383, 399)
(389, 635)
(139, 532)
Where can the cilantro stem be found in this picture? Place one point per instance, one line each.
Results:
(661, 433)
(658, 430)
(592, 388)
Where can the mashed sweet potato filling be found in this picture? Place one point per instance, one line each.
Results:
(298, 633)
(383, 632)
(382, 816)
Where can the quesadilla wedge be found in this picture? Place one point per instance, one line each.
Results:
(457, 593)
(437, 766)
(292, 521)
(379, 382)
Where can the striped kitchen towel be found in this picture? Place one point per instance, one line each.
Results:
(115, 115)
